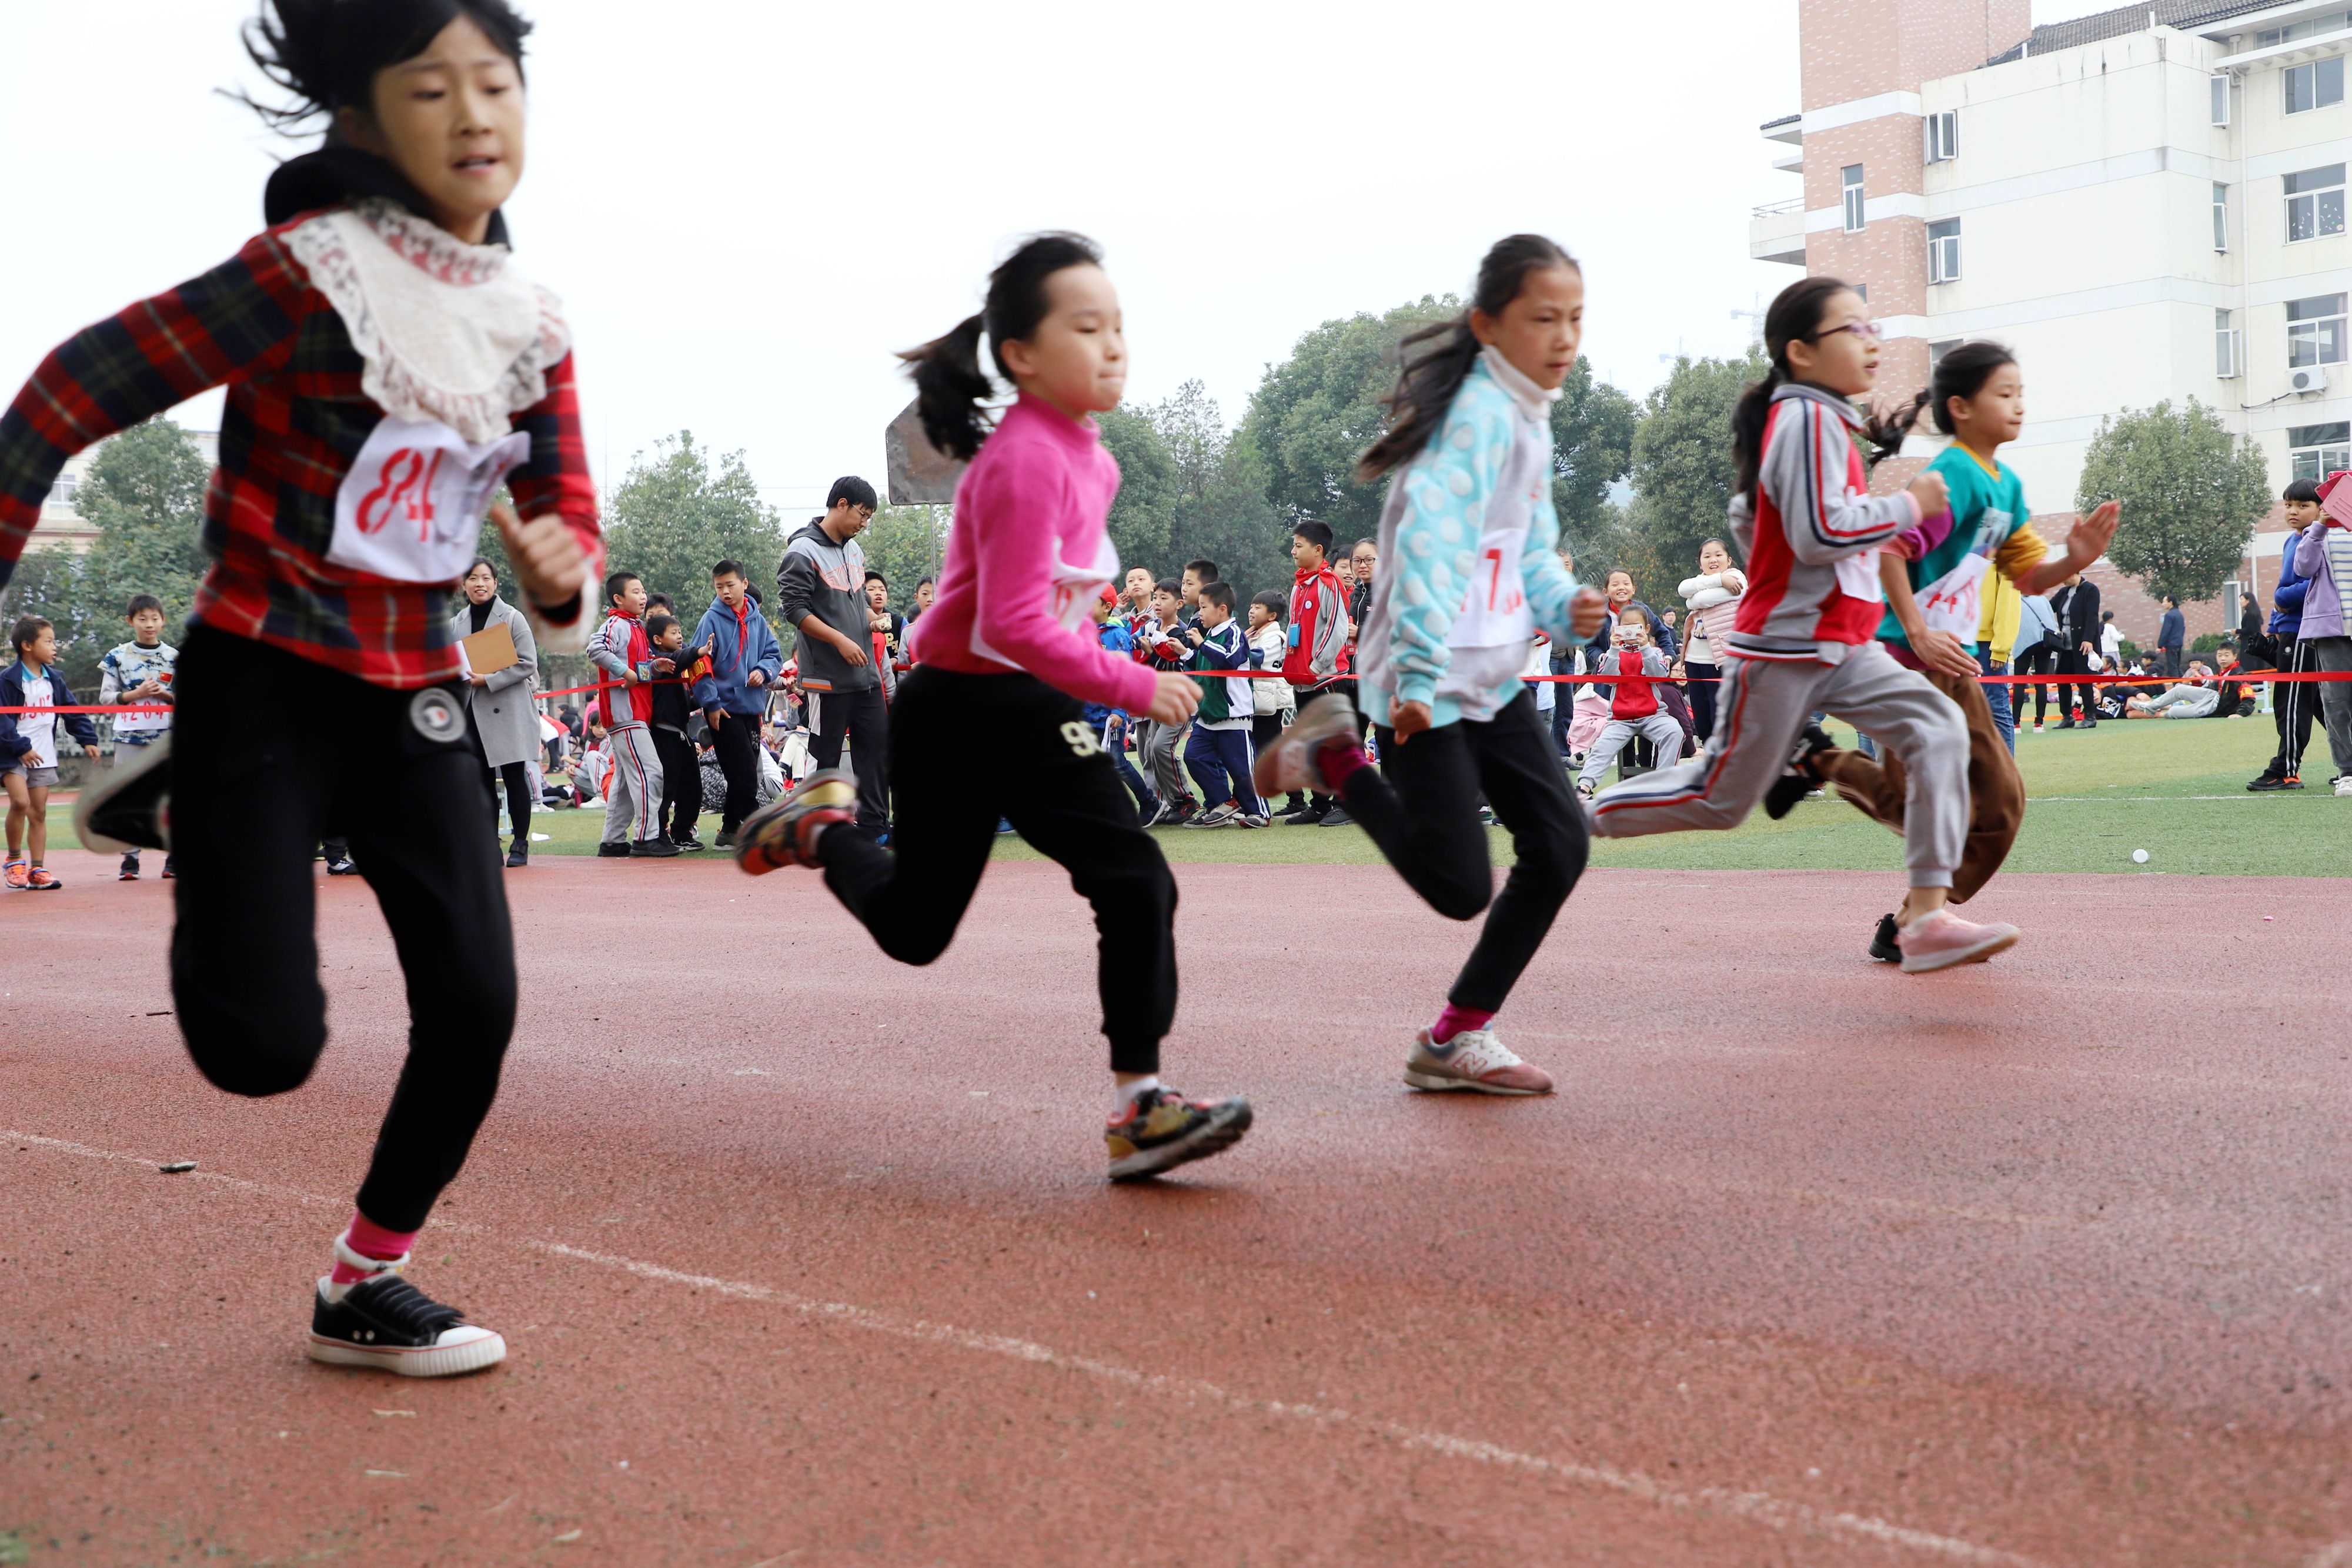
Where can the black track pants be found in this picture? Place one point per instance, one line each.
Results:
(1047, 773)
(1422, 808)
(681, 801)
(735, 740)
(271, 753)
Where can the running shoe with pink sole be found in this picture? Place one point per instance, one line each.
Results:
(1943, 940)
(1473, 1060)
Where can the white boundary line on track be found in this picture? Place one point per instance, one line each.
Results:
(1755, 1507)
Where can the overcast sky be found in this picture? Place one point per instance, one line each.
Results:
(746, 205)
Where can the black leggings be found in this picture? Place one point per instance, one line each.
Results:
(1422, 808)
(1703, 679)
(271, 754)
(1047, 773)
(517, 779)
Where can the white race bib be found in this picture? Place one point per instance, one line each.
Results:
(1857, 578)
(1954, 603)
(411, 508)
(1495, 611)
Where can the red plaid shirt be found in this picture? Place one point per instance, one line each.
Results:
(295, 420)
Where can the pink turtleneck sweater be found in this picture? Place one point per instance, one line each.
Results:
(1025, 559)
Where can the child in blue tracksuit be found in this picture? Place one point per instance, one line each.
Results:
(1470, 571)
(28, 748)
(1219, 754)
(1109, 725)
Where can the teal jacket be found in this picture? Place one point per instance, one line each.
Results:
(1470, 567)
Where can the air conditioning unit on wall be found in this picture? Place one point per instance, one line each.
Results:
(2307, 378)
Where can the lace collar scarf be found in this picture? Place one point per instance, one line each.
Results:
(447, 331)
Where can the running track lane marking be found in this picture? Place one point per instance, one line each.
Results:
(1755, 1507)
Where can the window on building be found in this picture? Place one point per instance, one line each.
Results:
(1936, 351)
(2220, 216)
(2314, 203)
(2314, 331)
(1943, 136)
(61, 494)
(2309, 27)
(2219, 87)
(1851, 196)
(2315, 84)
(2225, 348)
(1944, 251)
(2316, 451)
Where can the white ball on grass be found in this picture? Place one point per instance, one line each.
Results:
(2139, 857)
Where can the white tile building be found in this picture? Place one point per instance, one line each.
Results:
(2145, 203)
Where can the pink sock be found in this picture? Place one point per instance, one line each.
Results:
(1452, 1020)
(369, 1239)
(1340, 762)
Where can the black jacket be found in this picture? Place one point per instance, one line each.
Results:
(2077, 609)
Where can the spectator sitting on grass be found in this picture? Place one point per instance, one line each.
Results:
(2193, 697)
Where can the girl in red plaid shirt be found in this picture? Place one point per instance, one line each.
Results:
(388, 368)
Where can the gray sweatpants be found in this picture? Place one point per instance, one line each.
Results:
(1762, 705)
(633, 788)
(1658, 728)
(1163, 757)
(2334, 698)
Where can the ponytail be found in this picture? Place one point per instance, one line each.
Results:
(1426, 385)
(1885, 428)
(950, 384)
(950, 387)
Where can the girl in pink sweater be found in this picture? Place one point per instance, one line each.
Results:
(1007, 646)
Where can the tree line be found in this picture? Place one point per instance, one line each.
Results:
(1639, 484)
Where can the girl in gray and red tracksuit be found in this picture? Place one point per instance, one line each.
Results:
(1806, 636)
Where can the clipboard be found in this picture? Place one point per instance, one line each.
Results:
(489, 650)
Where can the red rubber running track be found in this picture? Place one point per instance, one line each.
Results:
(806, 1257)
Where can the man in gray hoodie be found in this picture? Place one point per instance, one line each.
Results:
(820, 591)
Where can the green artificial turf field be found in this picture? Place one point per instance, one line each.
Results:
(2176, 790)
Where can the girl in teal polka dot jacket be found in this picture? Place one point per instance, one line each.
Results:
(1472, 572)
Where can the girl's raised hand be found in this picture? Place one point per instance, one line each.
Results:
(2088, 539)
(1930, 491)
(1174, 697)
(549, 563)
(1585, 612)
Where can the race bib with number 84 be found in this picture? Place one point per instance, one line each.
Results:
(411, 508)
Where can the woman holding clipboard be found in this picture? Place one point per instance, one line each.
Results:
(501, 678)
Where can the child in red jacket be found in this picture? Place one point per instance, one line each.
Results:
(1634, 709)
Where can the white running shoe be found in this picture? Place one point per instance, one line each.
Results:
(1473, 1059)
(1943, 940)
(1287, 764)
(2344, 784)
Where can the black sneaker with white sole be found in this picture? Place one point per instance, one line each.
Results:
(1800, 781)
(387, 1323)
